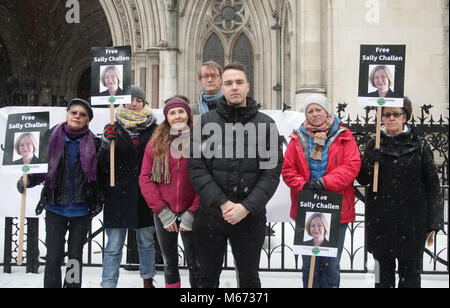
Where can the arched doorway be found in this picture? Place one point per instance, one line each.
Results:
(46, 46)
(84, 85)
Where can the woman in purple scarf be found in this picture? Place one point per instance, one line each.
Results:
(70, 195)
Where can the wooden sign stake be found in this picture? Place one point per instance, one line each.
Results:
(311, 272)
(377, 146)
(112, 148)
(22, 220)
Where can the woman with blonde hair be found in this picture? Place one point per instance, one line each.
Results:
(111, 79)
(317, 228)
(381, 78)
(26, 146)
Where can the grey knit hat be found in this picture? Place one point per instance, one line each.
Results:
(85, 104)
(138, 92)
(316, 99)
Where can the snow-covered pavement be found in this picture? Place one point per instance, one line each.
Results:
(130, 279)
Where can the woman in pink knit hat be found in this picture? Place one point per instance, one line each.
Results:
(166, 187)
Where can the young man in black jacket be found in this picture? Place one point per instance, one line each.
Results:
(235, 168)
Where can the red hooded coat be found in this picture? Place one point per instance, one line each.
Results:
(344, 163)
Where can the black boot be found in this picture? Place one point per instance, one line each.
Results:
(148, 284)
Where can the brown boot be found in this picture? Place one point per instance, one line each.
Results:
(148, 284)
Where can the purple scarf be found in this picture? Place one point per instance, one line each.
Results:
(88, 155)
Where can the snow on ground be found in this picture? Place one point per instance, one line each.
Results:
(130, 279)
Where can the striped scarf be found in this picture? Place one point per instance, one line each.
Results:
(132, 119)
(161, 170)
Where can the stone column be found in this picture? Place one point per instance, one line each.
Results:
(168, 56)
(154, 59)
(310, 50)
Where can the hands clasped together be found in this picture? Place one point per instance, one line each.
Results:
(233, 213)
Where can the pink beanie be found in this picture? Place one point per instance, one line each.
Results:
(176, 102)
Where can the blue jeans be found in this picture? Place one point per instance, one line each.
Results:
(327, 272)
(113, 255)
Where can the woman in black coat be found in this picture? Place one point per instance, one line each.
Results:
(125, 207)
(408, 205)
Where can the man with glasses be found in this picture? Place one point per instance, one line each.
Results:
(210, 80)
(234, 189)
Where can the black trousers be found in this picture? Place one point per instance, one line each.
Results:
(56, 227)
(168, 241)
(246, 241)
(408, 271)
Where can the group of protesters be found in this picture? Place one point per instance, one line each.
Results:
(164, 189)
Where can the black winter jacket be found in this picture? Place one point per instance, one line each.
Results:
(409, 203)
(125, 206)
(236, 178)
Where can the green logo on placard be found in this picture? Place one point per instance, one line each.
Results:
(26, 169)
(381, 101)
(112, 100)
(316, 251)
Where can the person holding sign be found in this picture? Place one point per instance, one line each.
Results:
(70, 194)
(323, 156)
(26, 146)
(381, 79)
(111, 79)
(125, 206)
(165, 184)
(408, 205)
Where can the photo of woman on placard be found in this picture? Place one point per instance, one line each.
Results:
(317, 227)
(111, 78)
(27, 147)
(382, 79)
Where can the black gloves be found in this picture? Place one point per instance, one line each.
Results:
(21, 187)
(374, 156)
(97, 209)
(315, 185)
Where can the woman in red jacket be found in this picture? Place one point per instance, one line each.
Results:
(323, 156)
(166, 187)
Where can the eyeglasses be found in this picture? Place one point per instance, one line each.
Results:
(80, 113)
(212, 76)
(395, 114)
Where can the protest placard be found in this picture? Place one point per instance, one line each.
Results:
(382, 75)
(26, 143)
(381, 83)
(111, 80)
(317, 224)
(26, 152)
(111, 75)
